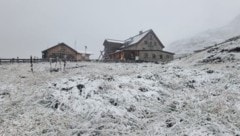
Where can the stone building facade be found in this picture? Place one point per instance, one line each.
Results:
(145, 46)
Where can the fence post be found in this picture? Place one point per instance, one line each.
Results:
(31, 62)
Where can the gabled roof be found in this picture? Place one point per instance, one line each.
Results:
(133, 40)
(137, 38)
(63, 44)
(60, 44)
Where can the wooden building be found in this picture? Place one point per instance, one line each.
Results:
(63, 51)
(145, 46)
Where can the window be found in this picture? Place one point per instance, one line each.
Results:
(155, 43)
(167, 57)
(160, 56)
(154, 56)
(145, 55)
(151, 37)
(146, 42)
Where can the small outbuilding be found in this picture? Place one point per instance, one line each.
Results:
(63, 51)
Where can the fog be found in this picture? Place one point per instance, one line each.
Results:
(29, 26)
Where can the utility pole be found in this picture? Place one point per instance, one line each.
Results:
(75, 45)
(85, 50)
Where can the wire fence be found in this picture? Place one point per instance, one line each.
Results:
(34, 60)
(13, 60)
(52, 64)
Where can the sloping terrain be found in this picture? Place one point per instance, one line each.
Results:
(227, 52)
(194, 96)
(206, 39)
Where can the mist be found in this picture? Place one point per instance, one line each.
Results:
(28, 27)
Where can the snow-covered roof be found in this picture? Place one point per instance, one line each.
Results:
(130, 41)
(115, 41)
(137, 38)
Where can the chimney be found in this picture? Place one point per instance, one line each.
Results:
(140, 32)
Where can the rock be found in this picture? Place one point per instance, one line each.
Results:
(170, 122)
(209, 119)
(237, 49)
(113, 102)
(5, 93)
(192, 81)
(210, 71)
(110, 79)
(132, 108)
(100, 88)
(212, 59)
(72, 80)
(22, 76)
(88, 96)
(80, 133)
(1, 121)
(212, 50)
(55, 105)
(100, 128)
(45, 103)
(142, 89)
(54, 70)
(173, 106)
(67, 89)
(190, 84)
(80, 87)
(95, 133)
(44, 131)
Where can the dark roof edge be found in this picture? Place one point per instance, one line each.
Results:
(149, 30)
(61, 44)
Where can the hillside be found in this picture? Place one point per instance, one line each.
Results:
(195, 96)
(207, 38)
(223, 53)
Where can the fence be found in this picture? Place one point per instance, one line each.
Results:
(17, 60)
(13, 60)
(56, 64)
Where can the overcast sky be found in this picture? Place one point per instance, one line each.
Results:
(29, 26)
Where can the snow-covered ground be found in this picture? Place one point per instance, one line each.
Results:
(197, 95)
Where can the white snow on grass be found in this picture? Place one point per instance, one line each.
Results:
(185, 97)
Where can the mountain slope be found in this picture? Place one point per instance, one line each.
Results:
(226, 53)
(207, 38)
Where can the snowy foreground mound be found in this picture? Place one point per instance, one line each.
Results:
(186, 97)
